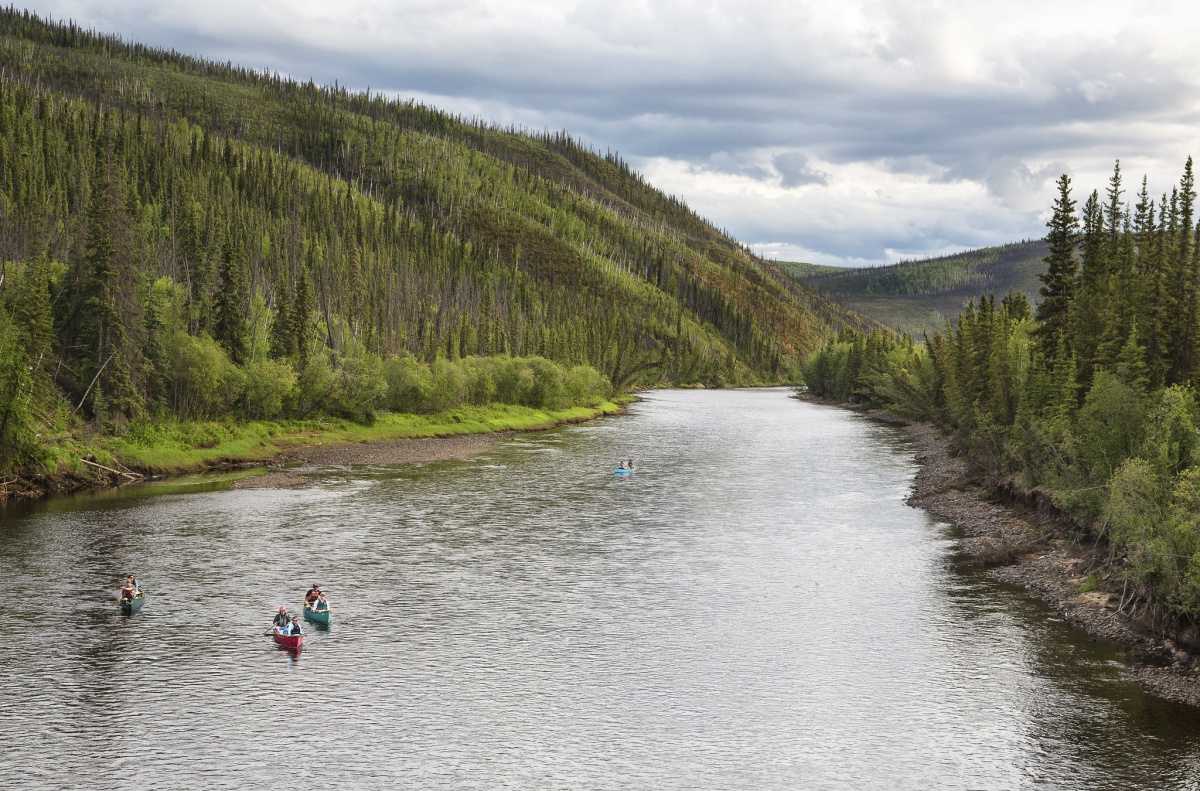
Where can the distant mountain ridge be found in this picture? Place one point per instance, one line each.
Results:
(918, 296)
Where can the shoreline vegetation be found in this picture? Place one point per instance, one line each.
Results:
(171, 449)
(1036, 547)
(197, 259)
(1084, 407)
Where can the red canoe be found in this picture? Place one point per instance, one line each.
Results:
(292, 641)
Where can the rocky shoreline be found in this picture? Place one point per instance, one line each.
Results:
(1021, 546)
(1042, 553)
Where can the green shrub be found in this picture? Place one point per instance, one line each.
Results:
(547, 390)
(360, 388)
(584, 385)
(449, 386)
(315, 387)
(409, 384)
(269, 390)
(1109, 426)
(204, 382)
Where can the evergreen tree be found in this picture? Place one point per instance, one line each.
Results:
(196, 267)
(283, 339)
(156, 367)
(233, 300)
(1092, 303)
(1182, 277)
(357, 287)
(301, 316)
(1060, 280)
(104, 329)
(31, 311)
(1131, 363)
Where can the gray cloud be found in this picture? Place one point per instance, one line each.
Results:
(928, 124)
(795, 171)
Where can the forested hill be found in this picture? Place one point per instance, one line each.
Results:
(918, 296)
(397, 227)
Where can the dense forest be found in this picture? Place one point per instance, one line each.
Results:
(181, 239)
(918, 296)
(1090, 398)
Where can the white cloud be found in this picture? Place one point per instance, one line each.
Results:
(853, 131)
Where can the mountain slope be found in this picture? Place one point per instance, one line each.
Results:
(418, 232)
(917, 296)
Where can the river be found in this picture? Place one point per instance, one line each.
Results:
(755, 608)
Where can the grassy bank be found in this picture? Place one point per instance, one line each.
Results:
(184, 446)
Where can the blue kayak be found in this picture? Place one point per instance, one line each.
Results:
(624, 470)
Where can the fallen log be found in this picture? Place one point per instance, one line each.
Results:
(133, 475)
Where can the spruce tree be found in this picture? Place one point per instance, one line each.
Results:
(283, 341)
(1131, 363)
(1060, 280)
(1087, 320)
(357, 289)
(301, 318)
(31, 311)
(156, 360)
(233, 299)
(104, 331)
(1120, 311)
(1181, 276)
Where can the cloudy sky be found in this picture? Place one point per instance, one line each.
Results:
(835, 132)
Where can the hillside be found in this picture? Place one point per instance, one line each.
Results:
(918, 296)
(183, 240)
(802, 270)
(418, 231)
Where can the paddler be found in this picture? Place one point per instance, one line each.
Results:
(312, 595)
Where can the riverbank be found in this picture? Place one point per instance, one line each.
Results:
(1042, 553)
(166, 449)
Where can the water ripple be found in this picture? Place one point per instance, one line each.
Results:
(754, 608)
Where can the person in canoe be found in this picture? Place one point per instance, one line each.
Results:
(282, 619)
(313, 593)
(320, 605)
(627, 464)
(294, 627)
(130, 591)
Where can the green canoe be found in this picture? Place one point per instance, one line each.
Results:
(132, 605)
(318, 616)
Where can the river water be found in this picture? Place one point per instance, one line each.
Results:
(756, 608)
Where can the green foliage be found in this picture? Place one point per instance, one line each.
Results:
(359, 388)
(269, 389)
(16, 388)
(1101, 411)
(1060, 280)
(204, 383)
(173, 223)
(415, 386)
(232, 329)
(1111, 426)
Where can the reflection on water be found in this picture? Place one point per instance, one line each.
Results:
(755, 608)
